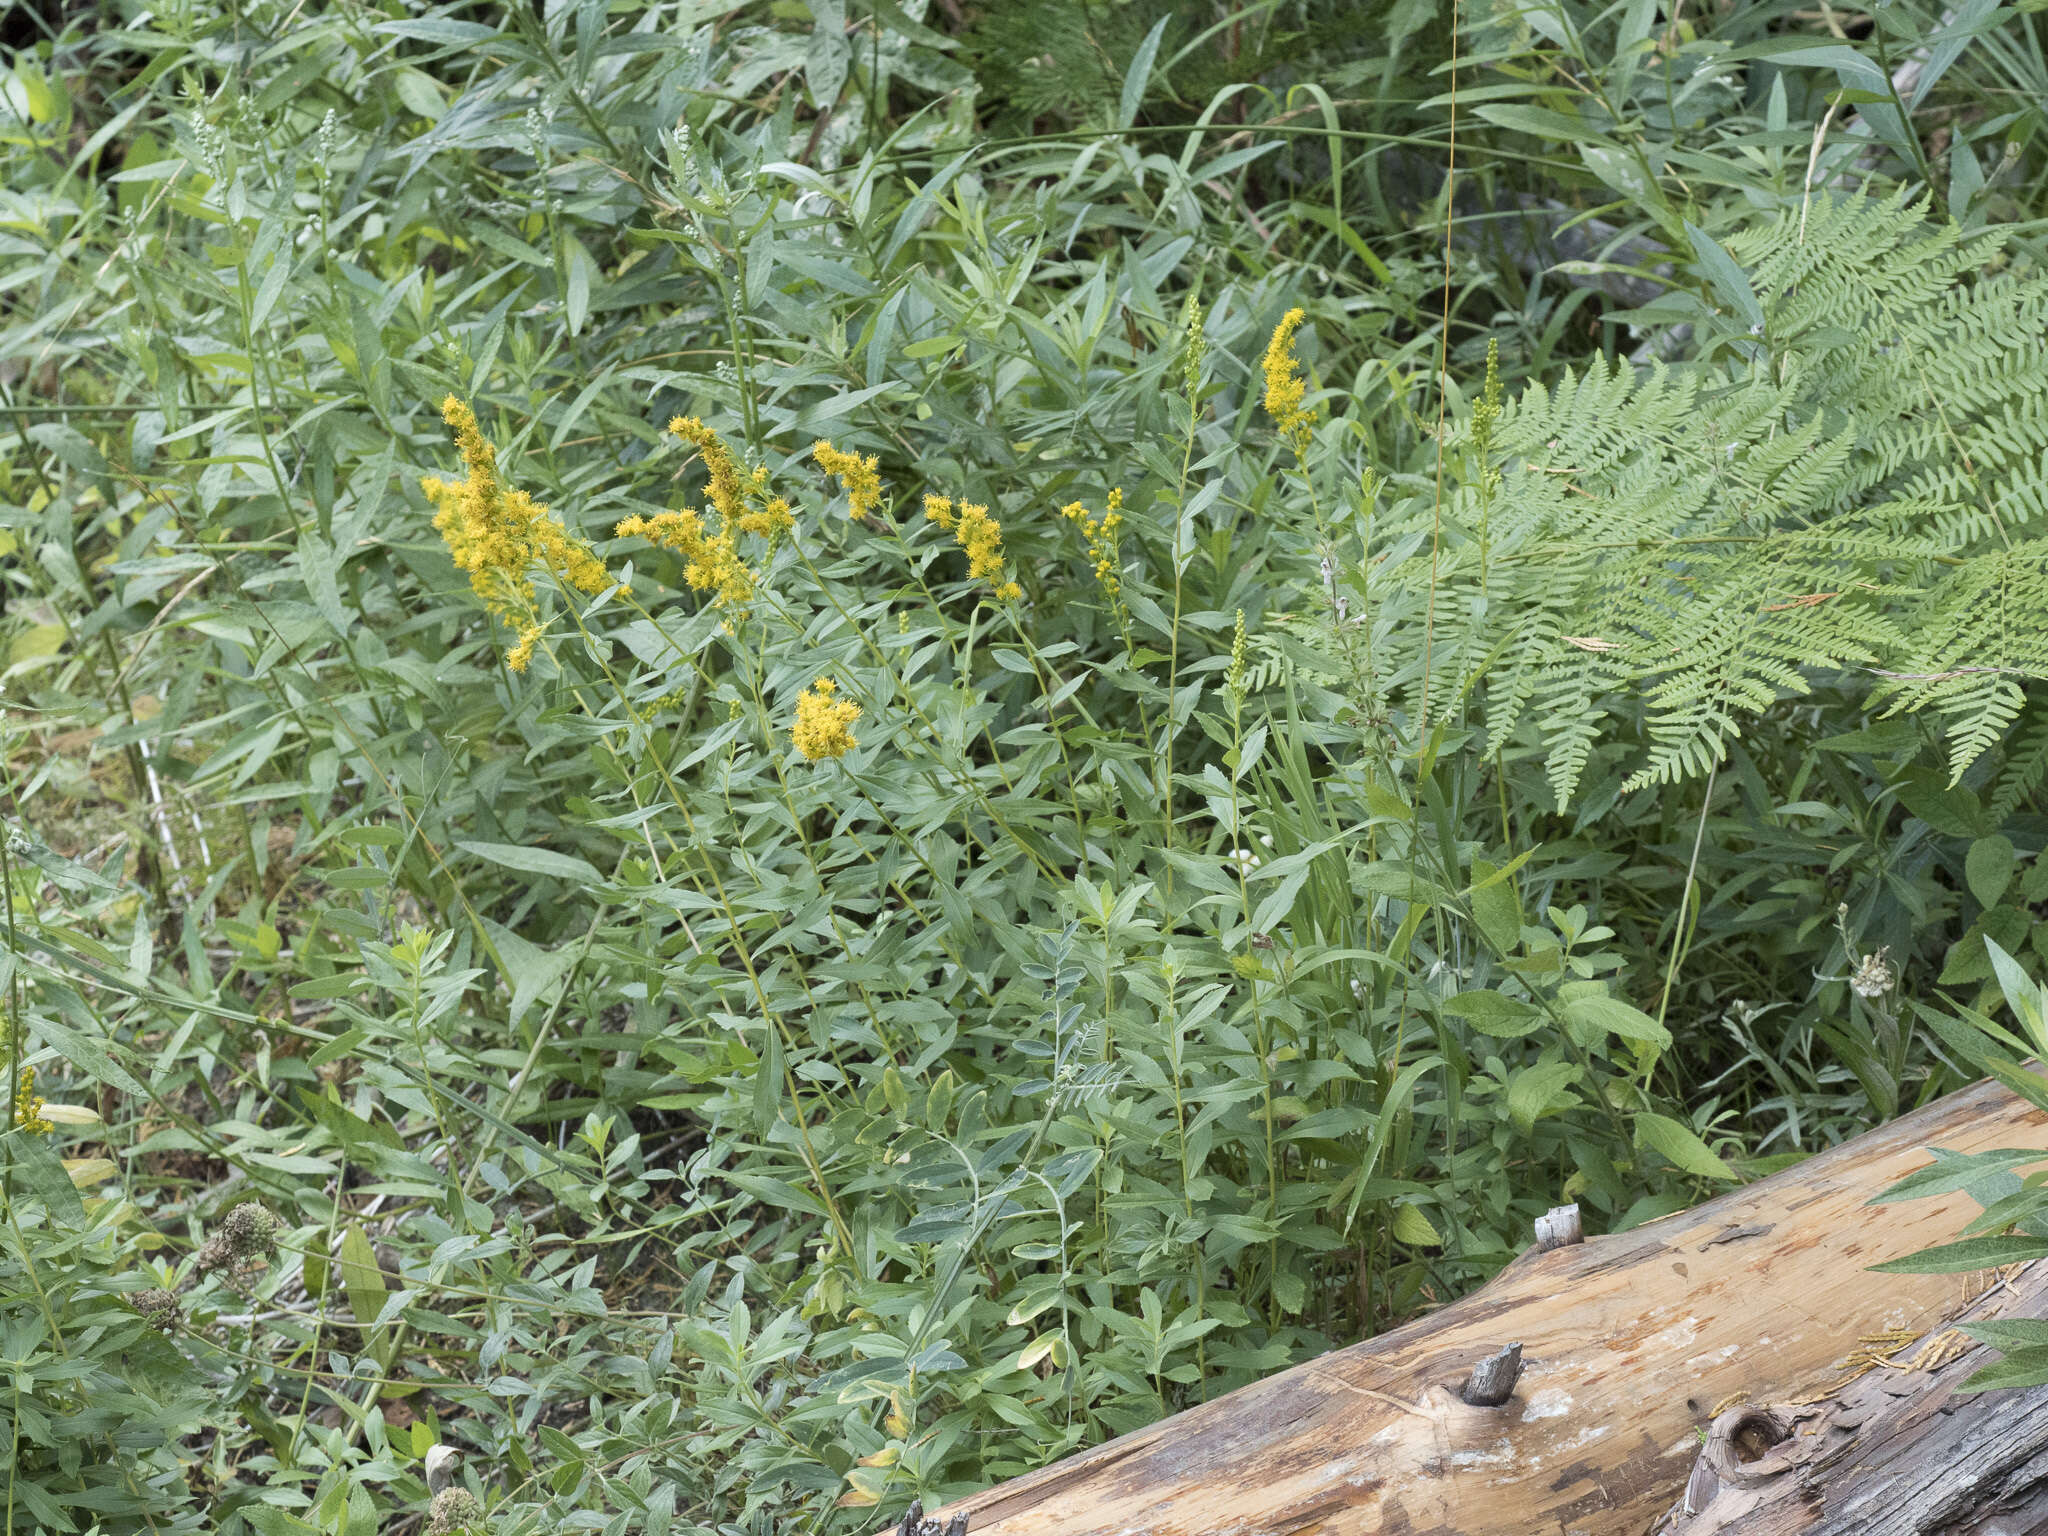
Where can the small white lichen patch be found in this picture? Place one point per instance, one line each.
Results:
(1502, 1452)
(1677, 1336)
(1550, 1403)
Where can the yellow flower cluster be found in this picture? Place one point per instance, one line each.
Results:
(498, 534)
(712, 565)
(861, 476)
(771, 519)
(824, 724)
(1285, 388)
(980, 535)
(727, 491)
(742, 504)
(1101, 534)
(28, 1107)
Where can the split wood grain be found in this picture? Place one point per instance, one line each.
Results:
(1895, 1451)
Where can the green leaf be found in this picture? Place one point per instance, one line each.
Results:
(576, 300)
(1496, 906)
(1887, 738)
(2021, 1368)
(1534, 1091)
(2022, 1082)
(531, 970)
(88, 1056)
(361, 1276)
(1610, 1015)
(1539, 122)
(534, 861)
(1623, 171)
(1953, 1171)
(1969, 1254)
(32, 1160)
(1414, 1229)
(1954, 812)
(1139, 75)
(1729, 282)
(438, 30)
(2027, 999)
(362, 1512)
(359, 1138)
(1401, 883)
(420, 93)
(1677, 1143)
(1988, 868)
(1494, 1013)
(2008, 1334)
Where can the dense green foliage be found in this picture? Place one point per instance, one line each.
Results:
(744, 1018)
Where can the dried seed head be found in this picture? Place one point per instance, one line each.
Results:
(454, 1509)
(248, 1233)
(159, 1306)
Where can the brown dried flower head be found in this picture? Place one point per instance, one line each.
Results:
(454, 1509)
(248, 1233)
(159, 1306)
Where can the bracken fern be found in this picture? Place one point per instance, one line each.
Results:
(1858, 483)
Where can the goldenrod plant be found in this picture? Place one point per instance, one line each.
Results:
(500, 536)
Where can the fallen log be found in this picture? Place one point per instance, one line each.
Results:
(1631, 1346)
(1895, 1451)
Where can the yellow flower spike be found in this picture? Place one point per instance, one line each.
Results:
(824, 723)
(1102, 539)
(712, 564)
(718, 569)
(28, 1107)
(771, 522)
(498, 534)
(861, 476)
(1285, 388)
(979, 536)
(727, 491)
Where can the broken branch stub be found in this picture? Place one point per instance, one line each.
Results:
(1493, 1379)
(1559, 1228)
(915, 1524)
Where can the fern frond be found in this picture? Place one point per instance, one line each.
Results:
(1867, 490)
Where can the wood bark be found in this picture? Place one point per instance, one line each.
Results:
(1896, 1451)
(1632, 1344)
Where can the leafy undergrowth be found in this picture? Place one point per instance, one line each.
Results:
(765, 762)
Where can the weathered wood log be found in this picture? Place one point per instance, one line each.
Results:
(1894, 1451)
(1633, 1343)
